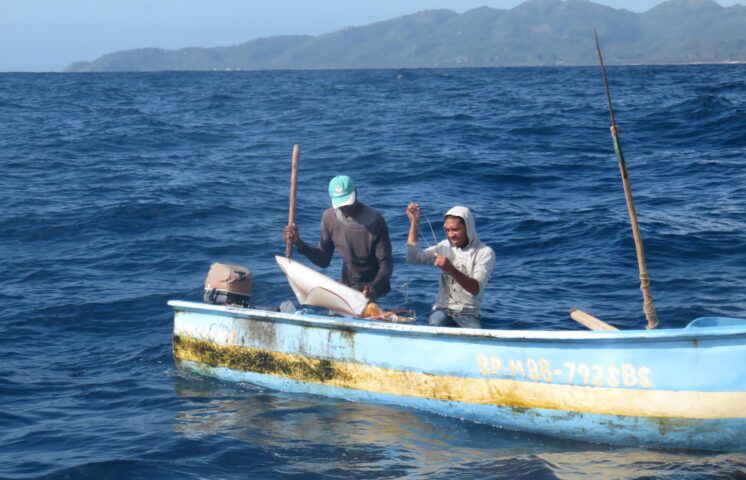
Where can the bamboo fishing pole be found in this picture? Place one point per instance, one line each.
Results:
(647, 303)
(291, 209)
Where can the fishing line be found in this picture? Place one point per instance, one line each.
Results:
(405, 285)
(435, 240)
(405, 288)
(420, 316)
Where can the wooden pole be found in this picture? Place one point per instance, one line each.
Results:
(589, 321)
(291, 209)
(647, 302)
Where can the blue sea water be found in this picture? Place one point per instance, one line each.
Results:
(119, 190)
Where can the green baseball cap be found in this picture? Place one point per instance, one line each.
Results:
(342, 191)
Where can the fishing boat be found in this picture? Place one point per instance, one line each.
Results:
(682, 388)
(671, 388)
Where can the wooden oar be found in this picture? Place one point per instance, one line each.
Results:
(647, 303)
(291, 209)
(588, 320)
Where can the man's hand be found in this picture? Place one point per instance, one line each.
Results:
(443, 263)
(369, 292)
(413, 212)
(291, 233)
(468, 283)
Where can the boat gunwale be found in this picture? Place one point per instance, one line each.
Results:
(350, 323)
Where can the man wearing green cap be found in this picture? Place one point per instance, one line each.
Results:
(360, 234)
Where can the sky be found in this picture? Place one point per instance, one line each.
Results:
(48, 35)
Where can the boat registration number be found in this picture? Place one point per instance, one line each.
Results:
(541, 370)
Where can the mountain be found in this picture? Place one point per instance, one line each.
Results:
(536, 32)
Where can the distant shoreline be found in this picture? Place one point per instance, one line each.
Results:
(381, 68)
(536, 33)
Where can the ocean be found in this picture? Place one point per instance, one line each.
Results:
(119, 190)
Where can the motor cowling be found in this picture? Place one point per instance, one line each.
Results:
(228, 285)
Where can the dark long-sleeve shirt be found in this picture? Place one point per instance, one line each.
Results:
(364, 244)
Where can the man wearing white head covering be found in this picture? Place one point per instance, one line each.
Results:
(465, 267)
(359, 233)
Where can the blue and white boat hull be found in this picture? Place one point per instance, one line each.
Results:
(672, 388)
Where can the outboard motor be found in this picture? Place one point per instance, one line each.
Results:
(228, 285)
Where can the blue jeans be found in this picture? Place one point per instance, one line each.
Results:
(449, 318)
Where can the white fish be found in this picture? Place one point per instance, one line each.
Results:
(316, 289)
